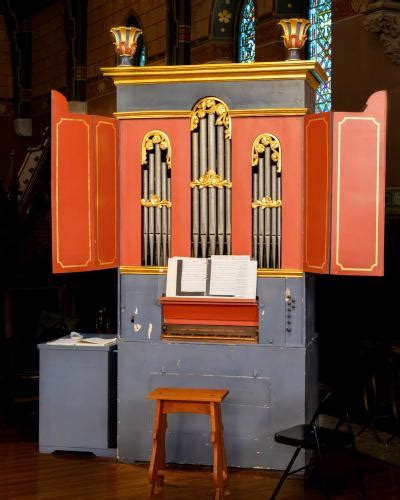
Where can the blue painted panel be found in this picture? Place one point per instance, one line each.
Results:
(294, 326)
(259, 406)
(237, 95)
(271, 301)
(139, 300)
(74, 398)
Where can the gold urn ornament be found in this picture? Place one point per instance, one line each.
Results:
(294, 35)
(126, 39)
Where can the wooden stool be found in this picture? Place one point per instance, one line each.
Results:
(204, 401)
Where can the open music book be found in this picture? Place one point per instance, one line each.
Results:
(219, 276)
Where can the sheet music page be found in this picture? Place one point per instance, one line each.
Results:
(171, 277)
(186, 276)
(233, 277)
(194, 276)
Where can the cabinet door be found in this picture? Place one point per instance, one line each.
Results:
(317, 192)
(358, 189)
(105, 133)
(84, 190)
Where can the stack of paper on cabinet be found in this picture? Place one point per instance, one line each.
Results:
(84, 341)
(219, 276)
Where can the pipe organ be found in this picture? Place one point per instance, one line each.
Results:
(219, 160)
(156, 185)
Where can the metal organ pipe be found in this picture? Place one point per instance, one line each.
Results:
(211, 174)
(203, 192)
(212, 195)
(157, 179)
(228, 212)
(145, 215)
(195, 194)
(156, 214)
(267, 156)
(151, 209)
(261, 214)
(220, 193)
(267, 194)
(164, 210)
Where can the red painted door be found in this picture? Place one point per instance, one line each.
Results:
(84, 190)
(358, 189)
(344, 190)
(317, 192)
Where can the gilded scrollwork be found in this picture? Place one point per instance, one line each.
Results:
(150, 140)
(266, 202)
(211, 105)
(211, 179)
(259, 146)
(155, 201)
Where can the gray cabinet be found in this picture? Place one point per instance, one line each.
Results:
(77, 410)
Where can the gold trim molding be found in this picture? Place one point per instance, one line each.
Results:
(309, 71)
(210, 106)
(143, 270)
(261, 273)
(150, 140)
(211, 180)
(184, 113)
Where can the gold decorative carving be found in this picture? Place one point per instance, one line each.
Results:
(149, 141)
(266, 202)
(155, 201)
(211, 179)
(259, 145)
(211, 105)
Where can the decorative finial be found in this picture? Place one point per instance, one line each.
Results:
(125, 43)
(294, 35)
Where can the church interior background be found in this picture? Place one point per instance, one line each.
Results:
(62, 44)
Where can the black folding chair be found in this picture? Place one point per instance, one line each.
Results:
(316, 438)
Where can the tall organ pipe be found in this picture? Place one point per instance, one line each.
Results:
(203, 192)
(195, 194)
(220, 193)
(255, 217)
(261, 213)
(212, 195)
(151, 209)
(267, 156)
(228, 177)
(145, 216)
(164, 210)
(157, 178)
(274, 218)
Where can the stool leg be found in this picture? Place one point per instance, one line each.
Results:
(157, 463)
(218, 454)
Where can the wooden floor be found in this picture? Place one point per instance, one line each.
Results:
(27, 474)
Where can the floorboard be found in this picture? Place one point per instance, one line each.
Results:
(27, 474)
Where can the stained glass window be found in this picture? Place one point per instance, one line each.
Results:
(142, 56)
(320, 48)
(247, 33)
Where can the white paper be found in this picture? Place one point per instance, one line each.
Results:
(233, 278)
(194, 275)
(86, 342)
